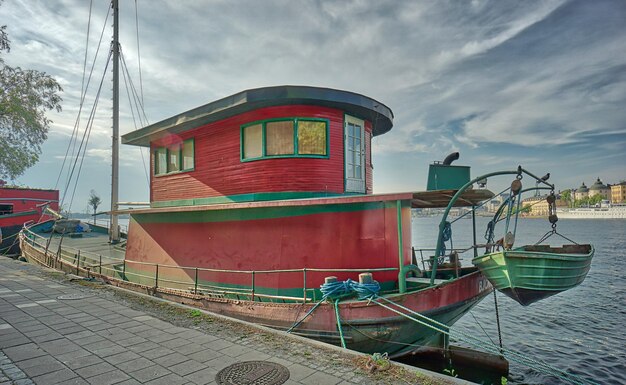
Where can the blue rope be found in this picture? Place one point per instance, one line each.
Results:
(341, 289)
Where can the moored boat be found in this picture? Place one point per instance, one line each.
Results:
(534, 272)
(20, 206)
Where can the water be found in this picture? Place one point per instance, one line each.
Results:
(581, 331)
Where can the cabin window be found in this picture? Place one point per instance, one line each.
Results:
(160, 161)
(253, 141)
(279, 138)
(311, 137)
(291, 137)
(173, 156)
(6, 209)
(176, 158)
(188, 155)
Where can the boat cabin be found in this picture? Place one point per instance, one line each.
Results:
(264, 144)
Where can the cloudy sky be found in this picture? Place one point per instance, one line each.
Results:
(536, 83)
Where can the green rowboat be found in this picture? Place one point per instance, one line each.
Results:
(531, 273)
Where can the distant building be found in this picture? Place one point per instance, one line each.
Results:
(538, 206)
(598, 188)
(618, 192)
(582, 192)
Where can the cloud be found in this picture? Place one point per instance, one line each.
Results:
(499, 79)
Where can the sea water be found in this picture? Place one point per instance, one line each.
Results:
(581, 331)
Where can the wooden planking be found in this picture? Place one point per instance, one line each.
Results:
(219, 170)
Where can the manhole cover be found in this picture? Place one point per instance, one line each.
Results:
(253, 373)
(74, 296)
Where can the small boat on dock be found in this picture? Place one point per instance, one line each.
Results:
(534, 272)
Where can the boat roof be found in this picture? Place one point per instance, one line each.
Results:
(352, 103)
(423, 199)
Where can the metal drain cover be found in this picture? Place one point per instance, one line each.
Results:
(253, 373)
(74, 296)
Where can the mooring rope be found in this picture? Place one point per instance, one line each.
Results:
(338, 290)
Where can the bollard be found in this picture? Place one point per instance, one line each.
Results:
(365, 278)
(330, 279)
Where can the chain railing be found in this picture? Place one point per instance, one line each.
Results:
(162, 278)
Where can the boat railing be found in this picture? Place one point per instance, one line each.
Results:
(191, 280)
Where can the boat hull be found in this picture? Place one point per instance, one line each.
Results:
(531, 273)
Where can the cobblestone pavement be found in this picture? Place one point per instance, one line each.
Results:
(50, 336)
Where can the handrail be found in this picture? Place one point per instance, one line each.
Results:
(81, 259)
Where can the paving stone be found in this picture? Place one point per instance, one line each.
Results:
(121, 357)
(60, 346)
(131, 341)
(187, 367)
(150, 373)
(55, 377)
(24, 352)
(113, 377)
(74, 381)
(319, 378)
(143, 347)
(89, 340)
(171, 359)
(190, 348)
(205, 355)
(81, 362)
(156, 353)
(133, 365)
(170, 379)
(202, 377)
(109, 351)
(40, 365)
(130, 381)
(16, 341)
(298, 372)
(95, 370)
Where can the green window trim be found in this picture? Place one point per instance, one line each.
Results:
(295, 153)
(167, 150)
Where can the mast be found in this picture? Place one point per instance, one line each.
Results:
(114, 234)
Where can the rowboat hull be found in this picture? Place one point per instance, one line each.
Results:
(531, 273)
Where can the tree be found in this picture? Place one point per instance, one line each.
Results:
(566, 196)
(25, 96)
(94, 202)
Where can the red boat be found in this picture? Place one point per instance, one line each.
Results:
(20, 206)
(257, 198)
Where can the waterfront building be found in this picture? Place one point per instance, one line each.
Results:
(582, 192)
(538, 205)
(598, 188)
(618, 192)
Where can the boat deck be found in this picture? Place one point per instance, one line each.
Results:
(92, 245)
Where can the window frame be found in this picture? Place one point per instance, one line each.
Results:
(296, 153)
(181, 164)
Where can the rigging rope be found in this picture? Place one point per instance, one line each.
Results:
(126, 74)
(85, 139)
(74, 136)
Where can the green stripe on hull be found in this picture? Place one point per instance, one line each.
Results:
(254, 197)
(247, 214)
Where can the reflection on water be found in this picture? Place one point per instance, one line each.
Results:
(583, 330)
